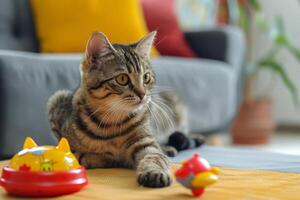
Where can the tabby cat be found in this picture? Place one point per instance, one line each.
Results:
(107, 120)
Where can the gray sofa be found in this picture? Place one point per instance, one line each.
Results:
(210, 84)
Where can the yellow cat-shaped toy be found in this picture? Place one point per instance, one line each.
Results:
(43, 171)
(44, 158)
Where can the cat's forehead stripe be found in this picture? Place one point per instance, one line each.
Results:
(133, 62)
(130, 62)
(127, 62)
(138, 63)
(122, 52)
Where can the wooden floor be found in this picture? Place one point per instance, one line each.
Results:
(115, 184)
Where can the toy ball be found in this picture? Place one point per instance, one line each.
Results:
(43, 171)
(196, 174)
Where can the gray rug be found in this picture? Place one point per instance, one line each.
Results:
(243, 158)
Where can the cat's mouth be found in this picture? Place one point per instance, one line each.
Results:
(137, 104)
(134, 101)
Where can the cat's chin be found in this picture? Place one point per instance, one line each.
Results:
(132, 108)
(135, 107)
(139, 106)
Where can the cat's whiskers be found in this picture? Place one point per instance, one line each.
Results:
(159, 116)
(165, 107)
(158, 89)
(113, 111)
(93, 113)
(107, 107)
(153, 115)
(162, 103)
(165, 114)
(106, 113)
(116, 113)
(118, 117)
(97, 109)
(156, 117)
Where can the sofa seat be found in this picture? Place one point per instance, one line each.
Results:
(207, 86)
(27, 80)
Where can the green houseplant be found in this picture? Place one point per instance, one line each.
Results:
(254, 123)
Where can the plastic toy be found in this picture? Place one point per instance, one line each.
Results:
(43, 171)
(196, 174)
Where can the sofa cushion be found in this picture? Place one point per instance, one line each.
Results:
(27, 80)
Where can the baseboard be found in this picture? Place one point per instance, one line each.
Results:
(288, 128)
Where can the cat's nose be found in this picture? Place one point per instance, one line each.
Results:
(140, 93)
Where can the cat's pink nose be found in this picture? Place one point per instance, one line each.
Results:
(140, 93)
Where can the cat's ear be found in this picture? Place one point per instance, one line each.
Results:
(63, 145)
(97, 44)
(29, 143)
(143, 47)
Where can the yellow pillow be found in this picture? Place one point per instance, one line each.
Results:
(66, 25)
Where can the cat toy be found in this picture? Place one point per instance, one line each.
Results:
(43, 171)
(196, 174)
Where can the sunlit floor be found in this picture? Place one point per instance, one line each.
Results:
(281, 142)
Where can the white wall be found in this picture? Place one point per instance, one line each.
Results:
(284, 110)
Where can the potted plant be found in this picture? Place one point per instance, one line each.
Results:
(254, 123)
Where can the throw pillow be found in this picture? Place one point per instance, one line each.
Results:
(160, 15)
(65, 26)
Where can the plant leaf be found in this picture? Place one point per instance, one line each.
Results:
(261, 22)
(255, 4)
(295, 51)
(278, 33)
(279, 70)
(244, 19)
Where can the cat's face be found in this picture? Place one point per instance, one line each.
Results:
(118, 77)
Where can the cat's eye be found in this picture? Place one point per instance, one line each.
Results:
(147, 78)
(122, 79)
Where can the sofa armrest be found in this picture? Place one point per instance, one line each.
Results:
(27, 80)
(220, 43)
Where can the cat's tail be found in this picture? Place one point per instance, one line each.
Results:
(181, 142)
(59, 111)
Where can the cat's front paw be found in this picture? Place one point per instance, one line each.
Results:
(154, 179)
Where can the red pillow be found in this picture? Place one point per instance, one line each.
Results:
(160, 15)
